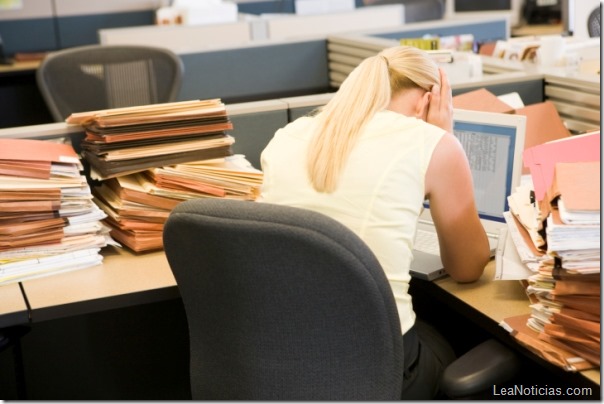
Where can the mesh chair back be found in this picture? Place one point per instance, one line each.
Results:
(94, 77)
(282, 303)
(593, 22)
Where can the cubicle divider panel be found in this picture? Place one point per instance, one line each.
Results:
(180, 38)
(83, 29)
(529, 88)
(323, 24)
(304, 105)
(577, 100)
(256, 72)
(487, 31)
(27, 26)
(28, 35)
(346, 51)
(254, 125)
(266, 6)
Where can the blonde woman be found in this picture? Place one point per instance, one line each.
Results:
(369, 159)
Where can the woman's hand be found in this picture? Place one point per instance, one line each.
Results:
(440, 104)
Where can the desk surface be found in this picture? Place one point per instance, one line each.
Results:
(13, 308)
(20, 66)
(126, 279)
(496, 300)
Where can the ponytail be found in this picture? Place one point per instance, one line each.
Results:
(364, 92)
(367, 90)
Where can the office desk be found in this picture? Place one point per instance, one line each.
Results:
(16, 67)
(13, 308)
(81, 318)
(487, 302)
(124, 279)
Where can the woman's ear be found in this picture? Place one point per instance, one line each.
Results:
(423, 105)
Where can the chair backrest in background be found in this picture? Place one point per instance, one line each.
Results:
(95, 77)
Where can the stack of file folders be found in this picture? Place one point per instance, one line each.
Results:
(48, 221)
(150, 158)
(126, 140)
(138, 204)
(563, 225)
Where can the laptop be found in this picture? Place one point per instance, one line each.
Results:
(494, 143)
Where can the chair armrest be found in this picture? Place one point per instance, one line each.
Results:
(483, 366)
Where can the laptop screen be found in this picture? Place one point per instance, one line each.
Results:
(494, 143)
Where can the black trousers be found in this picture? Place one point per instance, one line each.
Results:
(427, 354)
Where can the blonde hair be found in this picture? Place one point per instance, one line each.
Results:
(366, 90)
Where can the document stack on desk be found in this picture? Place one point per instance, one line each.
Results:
(138, 204)
(150, 158)
(127, 140)
(564, 325)
(48, 222)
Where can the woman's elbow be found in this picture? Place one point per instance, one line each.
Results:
(471, 269)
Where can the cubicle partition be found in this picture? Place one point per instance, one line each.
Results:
(577, 99)
(47, 25)
(180, 38)
(257, 71)
(300, 26)
(29, 28)
(254, 124)
(346, 51)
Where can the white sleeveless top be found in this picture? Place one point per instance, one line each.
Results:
(379, 195)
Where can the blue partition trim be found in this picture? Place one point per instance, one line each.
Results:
(483, 32)
(83, 29)
(31, 35)
(256, 72)
(267, 7)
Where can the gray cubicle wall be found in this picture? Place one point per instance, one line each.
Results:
(304, 105)
(254, 125)
(47, 25)
(83, 29)
(529, 88)
(272, 6)
(488, 31)
(28, 35)
(257, 72)
(28, 28)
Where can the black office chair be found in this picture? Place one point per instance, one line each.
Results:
(284, 303)
(10, 339)
(93, 77)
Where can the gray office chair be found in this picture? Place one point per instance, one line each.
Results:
(94, 77)
(593, 22)
(284, 303)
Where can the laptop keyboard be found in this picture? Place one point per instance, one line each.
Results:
(426, 241)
